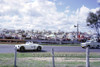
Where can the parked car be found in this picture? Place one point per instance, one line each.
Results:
(29, 46)
(91, 44)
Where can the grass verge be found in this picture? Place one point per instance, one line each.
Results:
(28, 59)
(48, 54)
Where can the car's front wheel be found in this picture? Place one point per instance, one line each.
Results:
(39, 48)
(98, 47)
(22, 48)
(83, 47)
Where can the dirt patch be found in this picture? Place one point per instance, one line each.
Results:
(59, 59)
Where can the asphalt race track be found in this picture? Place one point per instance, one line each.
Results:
(10, 49)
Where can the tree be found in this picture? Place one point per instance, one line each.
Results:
(93, 20)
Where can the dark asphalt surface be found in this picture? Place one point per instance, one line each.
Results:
(10, 49)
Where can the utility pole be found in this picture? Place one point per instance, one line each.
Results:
(77, 30)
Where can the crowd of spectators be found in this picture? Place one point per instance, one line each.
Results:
(43, 35)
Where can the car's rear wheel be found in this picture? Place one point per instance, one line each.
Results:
(22, 48)
(39, 48)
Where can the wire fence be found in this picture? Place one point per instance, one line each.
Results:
(60, 60)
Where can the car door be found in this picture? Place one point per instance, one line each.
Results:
(94, 43)
(32, 46)
(29, 46)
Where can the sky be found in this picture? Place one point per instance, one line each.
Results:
(51, 15)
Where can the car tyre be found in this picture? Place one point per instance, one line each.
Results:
(22, 48)
(89, 46)
(39, 48)
(83, 47)
(98, 47)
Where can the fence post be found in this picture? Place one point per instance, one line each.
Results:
(53, 60)
(87, 57)
(15, 56)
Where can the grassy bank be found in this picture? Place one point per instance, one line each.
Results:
(37, 63)
(49, 64)
(41, 59)
(48, 54)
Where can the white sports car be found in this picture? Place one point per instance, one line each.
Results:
(29, 46)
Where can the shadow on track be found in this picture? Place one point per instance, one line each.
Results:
(31, 51)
